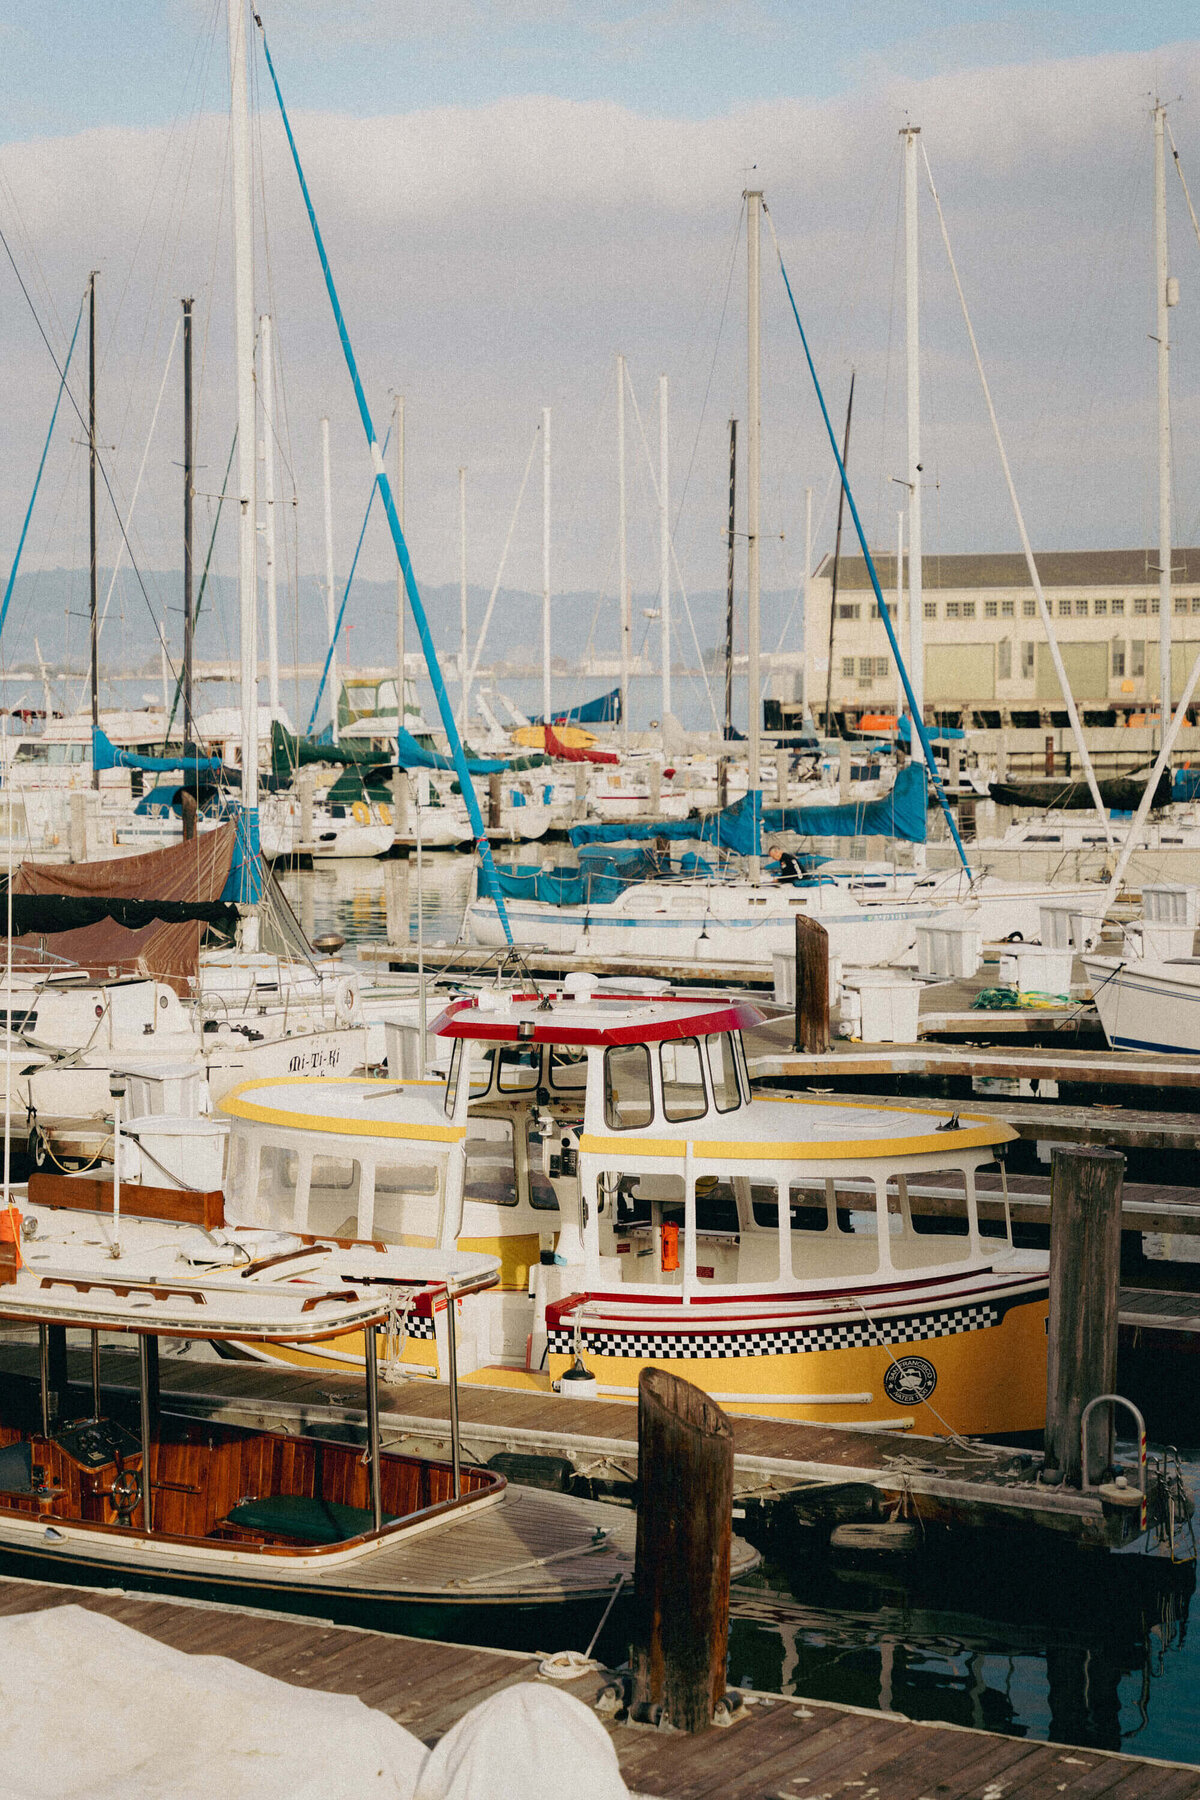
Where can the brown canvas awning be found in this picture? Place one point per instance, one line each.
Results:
(195, 871)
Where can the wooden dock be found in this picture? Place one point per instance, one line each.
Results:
(979, 1485)
(776, 1746)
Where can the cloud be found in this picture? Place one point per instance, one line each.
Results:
(493, 259)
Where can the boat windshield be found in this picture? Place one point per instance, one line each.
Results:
(628, 1096)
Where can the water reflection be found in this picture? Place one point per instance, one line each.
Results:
(348, 896)
(1029, 1641)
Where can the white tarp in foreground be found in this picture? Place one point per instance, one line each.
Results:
(91, 1708)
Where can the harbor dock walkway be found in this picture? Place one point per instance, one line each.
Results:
(775, 1747)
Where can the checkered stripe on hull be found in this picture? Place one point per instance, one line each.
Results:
(846, 1334)
(418, 1328)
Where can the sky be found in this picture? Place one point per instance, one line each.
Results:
(511, 201)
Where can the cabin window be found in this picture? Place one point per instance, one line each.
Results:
(336, 1174)
(628, 1099)
(491, 1176)
(682, 1079)
(453, 1076)
(722, 1068)
(520, 1067)
(928, 1218)
(542, 1197)
(405, 1178)
(235, 1162)
(277, 1171)
(834, 1230)
(568, 1069)
(647, 1217)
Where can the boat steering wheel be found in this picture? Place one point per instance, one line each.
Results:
(125, 1492)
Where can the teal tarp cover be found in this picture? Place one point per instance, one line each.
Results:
(898, 814)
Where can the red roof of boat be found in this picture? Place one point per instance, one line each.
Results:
(600, 1019)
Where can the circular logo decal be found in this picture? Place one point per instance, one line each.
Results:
(909, 1380)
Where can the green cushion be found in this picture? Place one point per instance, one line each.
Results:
(294, 1515)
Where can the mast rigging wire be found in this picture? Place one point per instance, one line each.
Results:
(918, 721)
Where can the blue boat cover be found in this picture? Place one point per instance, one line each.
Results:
(411, 756)
(105, 755)
(899, 814)
(941, 734)
(1185, 784)
(605, 709)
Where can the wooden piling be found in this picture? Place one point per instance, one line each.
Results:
(1085, 1269)
(188, 808)
(684, 1528)
(395, 899)
(812, 987)
(495, 802)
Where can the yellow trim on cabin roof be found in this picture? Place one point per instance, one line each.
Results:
(235, 1106)
(931, 1143)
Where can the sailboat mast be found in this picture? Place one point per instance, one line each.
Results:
(243, 307)
(912, 318)
(753, 480)
(189, 622)
(623, 552)
(546, 567)
(462, 603)
(93, 614)
(330, 596)
(268, 400)
(400, 597)
(664, 544)
(729, 573)
(837, 562)
(1165, 299)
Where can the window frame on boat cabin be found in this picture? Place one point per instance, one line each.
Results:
(787, 1269)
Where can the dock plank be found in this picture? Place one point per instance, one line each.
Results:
(778, 1746)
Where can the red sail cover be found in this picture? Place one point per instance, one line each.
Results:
(556, 747)
(187, 871)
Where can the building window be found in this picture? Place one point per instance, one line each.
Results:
(1118, 659)
(930, 609)
(866, 667)
(1137, 659)
(1100, 608)
(1081, 609)
(1064, 609)
(991, 609)
(847, 667)
(968, 611)
(1141, 605)
(952, 609)
(1196, 603)
(1182, 604)
(1008, 609)
(1118, 609)
(847, 610)
(1029, 609)
(881, 667)
(1004, 659)
(1028, 658)
(1154, 605)
(877, 614)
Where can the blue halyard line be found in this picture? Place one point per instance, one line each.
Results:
(316, 706)
(393, 518)
(12, 575)
(918, 721)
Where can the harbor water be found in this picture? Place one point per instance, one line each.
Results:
(1034, 1640)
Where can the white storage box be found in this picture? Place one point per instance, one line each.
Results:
(1171, 903)
(885, 1008)
(783, 967)
(1164, 943)
(180, 1152)
(155, 1089)
(949, 949)
(1037, 969)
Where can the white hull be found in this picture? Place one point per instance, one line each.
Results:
(1148, 1005)
(868, 924)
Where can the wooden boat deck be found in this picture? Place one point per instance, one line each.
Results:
(776, 1746)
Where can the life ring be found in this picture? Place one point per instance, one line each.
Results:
(345, 999)
(385, 812)
(361, 813)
